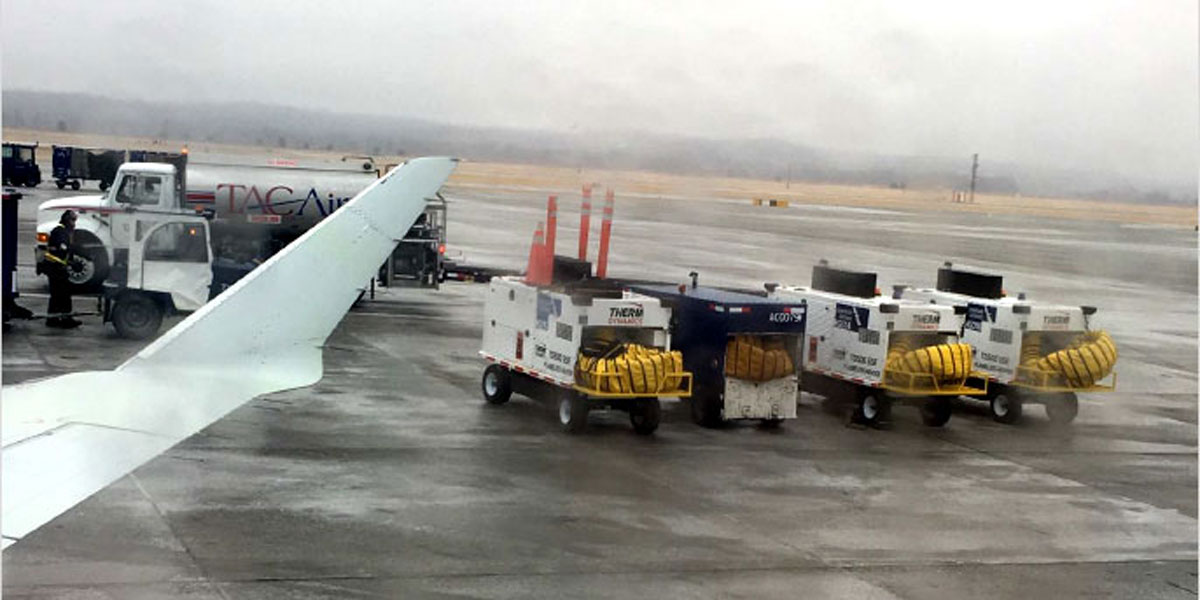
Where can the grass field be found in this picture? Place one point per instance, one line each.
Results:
(569, 180)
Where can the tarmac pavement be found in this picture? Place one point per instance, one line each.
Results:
(392, 477)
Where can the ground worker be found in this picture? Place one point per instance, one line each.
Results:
(58, 253)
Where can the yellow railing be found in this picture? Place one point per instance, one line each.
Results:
(682, 387)
(1054, 381)
(925, 384)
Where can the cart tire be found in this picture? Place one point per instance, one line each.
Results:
(772, 423)
(1063, 408)
(705, 408)
(104, 185)
(870, 408)
(644, 415)
(75, 185)
(136, 316)
(496, 384)
(60, 184)
(935, 412)
(1006, 407)
(572, 411)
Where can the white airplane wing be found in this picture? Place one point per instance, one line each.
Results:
(67, 437)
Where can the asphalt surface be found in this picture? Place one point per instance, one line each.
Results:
(392, 478)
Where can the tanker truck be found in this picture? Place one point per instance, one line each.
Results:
(254, 210)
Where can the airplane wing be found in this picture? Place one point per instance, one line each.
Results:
(67, 437)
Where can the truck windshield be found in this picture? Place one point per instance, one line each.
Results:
(140, 189)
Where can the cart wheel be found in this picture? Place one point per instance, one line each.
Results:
(645, 414)
(497, 384)
(60, 184)
(935, 412)
(104, 186)
(136, 316)
(75, 185)
(572, 411)
(772, 423)
(870, 409)
(1006, 407)
(1063, 408)
(706, 410)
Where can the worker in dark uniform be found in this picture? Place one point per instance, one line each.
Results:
(58, 253)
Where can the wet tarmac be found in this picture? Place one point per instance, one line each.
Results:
(392, 478)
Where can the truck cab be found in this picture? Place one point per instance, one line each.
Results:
(146, 186)
(137, 187)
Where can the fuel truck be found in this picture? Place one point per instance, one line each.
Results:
(254, 211)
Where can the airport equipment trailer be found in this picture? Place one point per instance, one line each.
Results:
(578, 338)
(1031, 353)
(72, 166)
(875, 351)
(20, 164)
(742, 350)
(588, 344)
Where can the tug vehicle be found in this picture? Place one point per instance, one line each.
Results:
(20, 164)
(582, 340)
(875, 351)
(1031, 353)
(742, 349)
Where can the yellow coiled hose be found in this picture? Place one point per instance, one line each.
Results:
(945, 362)
(631, 369)
(1088, 359)
(756, 358)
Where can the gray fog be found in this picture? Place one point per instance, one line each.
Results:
(1106, 86)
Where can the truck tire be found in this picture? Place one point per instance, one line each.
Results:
(870, 408)
(497, 384)
(705, 407)
(1062, 408)
(1006, 407)
(644, 415)
(136, 316)
(75, 185)
(61, 184)
(936, 411)
(572, 411)
(89, 263)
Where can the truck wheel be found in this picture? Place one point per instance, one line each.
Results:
(1006, 407)
(60, 184)
(645, 414)
(89, 264)
(497, 384)
(935, 412)
(75, 185)
(1063, 408)
(870, 408)
(705, 407)
(136, 316)
(572, 411)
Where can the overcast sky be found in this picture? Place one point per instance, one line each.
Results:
(1099, 84)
